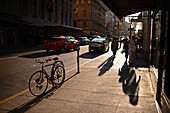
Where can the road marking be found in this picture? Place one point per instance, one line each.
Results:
(4, 58)
(11, 97)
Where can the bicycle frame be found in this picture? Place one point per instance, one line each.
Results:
(52, 69)
(38, 81)
(55, 64)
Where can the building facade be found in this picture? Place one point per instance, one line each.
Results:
(90, 16)
(22, 21)
(111, 24)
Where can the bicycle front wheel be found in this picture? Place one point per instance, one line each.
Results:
(59, 75)
(38, 83)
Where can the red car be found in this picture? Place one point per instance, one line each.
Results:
(60, 43)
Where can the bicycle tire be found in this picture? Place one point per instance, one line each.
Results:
(58, 62)
(58, 75)
(38, 83)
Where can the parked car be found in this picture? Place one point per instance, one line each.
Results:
(73, 39)
(60, 43)
(101, 45)
(84, 40)
(96, 36)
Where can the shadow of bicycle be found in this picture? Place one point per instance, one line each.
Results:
(26, 106)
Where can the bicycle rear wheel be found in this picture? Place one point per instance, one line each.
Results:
(38, 83)
(59, 75)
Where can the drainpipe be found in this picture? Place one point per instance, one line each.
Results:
(162, 48)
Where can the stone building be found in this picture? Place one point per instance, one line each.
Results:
(90, 16)
(22, 21)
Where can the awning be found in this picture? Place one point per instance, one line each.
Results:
(122, 8)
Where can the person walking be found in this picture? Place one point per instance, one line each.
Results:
(131, 50)
(126, 43)
(114, 47)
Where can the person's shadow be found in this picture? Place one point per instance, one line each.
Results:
(106, 65)
(130, 84)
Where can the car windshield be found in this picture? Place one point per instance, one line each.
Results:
(97, 40)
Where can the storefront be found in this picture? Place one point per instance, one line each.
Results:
(158, 24)
(20, 34)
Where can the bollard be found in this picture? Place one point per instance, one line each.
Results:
(78, 62)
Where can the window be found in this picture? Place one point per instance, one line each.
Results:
(66, 17)
(56, 14)
(75, 24)
(85, 1)
(85, 13)
(25, 7)
(84, 24)
(42, 9)
(77, 2)
(34, 13)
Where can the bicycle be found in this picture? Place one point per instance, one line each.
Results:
(38, 82)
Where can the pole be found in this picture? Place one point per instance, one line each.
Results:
(161, 58)
(167, 71)
(153, 41)
(78, 62)
(130, 31)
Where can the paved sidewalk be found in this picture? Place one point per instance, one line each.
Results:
(104, 85)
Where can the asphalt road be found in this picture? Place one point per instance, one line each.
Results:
(16, 68)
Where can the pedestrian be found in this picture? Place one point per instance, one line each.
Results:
(114, 47)
(131, 50)
(120, 42)
(126, 43)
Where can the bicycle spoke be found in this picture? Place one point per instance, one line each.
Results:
(59, 75)
(38, 83)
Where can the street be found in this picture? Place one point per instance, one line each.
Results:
(104, 84)
(17, 68)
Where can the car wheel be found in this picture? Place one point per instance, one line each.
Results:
(62, 49)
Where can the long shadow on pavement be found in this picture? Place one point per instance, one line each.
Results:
(28, 105)
(89, 55)
(38, 55)
(130, 84)
(106, 65)
(42, 54)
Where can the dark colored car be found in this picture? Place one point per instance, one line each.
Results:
(84, 40)
(99, 44)
(59, 44)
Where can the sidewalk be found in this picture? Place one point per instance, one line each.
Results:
(12, 50)
(103, 86)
